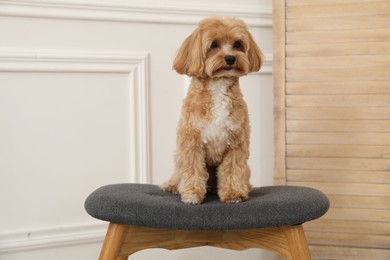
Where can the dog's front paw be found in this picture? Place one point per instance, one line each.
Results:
(233, 197)
(169, 187)
(192, 197)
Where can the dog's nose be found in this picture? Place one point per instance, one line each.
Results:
(230, 59)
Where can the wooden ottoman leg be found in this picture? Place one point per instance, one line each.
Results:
(297, 242)
(113, 242)
(292, 243)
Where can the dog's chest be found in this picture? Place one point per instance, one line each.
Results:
(218, 127)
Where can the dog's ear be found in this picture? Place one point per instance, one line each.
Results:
(255, 56)
(189, 59)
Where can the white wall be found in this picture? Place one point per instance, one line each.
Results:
(88, 98)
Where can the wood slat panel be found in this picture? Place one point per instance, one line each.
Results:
(353, 240)
(337, 112)
(337, 75)
(352, 87)
(367, 100)
(329, 62)
(365, 113)
(338, 23)
(304, 138)
(329, 2)
(350, 226)
(342, 176)
(334, 37)
(358, 164)
(358, 215)
(340, 49)
(279, 79)
(348, 253)
(333, 10)
(338, 126)
(366, 202)
(338, 150)
(353, 189)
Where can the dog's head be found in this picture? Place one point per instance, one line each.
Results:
(218, 47)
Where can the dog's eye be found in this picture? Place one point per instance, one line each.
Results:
(213, 45)
(237, 45)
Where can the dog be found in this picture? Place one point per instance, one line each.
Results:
(213, 132)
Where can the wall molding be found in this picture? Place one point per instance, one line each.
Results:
(266, 68)
(82, 61)
(53, 237)
(164, 12)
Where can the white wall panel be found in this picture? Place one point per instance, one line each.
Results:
(88, 98)
(258, 96)
(148, 11)
(70, 120)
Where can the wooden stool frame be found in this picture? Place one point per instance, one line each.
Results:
(122, 240)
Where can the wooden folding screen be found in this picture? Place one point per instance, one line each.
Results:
(332, 118)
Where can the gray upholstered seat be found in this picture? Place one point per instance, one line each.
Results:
(147, 206)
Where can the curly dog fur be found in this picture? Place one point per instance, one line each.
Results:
(213, 132)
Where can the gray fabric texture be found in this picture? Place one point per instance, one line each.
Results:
(146, 205)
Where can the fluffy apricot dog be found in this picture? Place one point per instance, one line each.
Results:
(213, 131)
